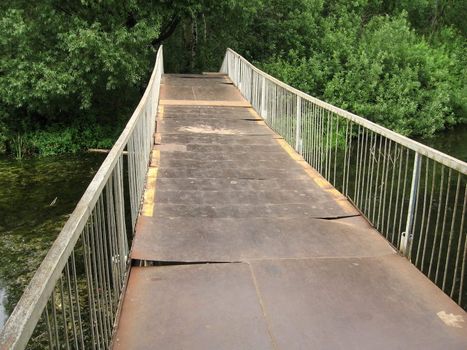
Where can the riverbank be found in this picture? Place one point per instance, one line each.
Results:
(61, 139)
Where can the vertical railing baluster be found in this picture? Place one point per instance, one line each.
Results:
(438, 214)
(451, 231)
(396, 209)
(406, 240)
(298, 126)
(70, 299)
(336, 151)
(49, 326)
(94, 326)
(446, 205)
(401, 215)
(458, 254)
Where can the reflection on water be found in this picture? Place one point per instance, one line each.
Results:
(36, 198)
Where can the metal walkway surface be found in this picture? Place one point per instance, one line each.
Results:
(248, 247)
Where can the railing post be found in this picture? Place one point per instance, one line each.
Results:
(406, 241)
(240, 70)
(162, 60)
(298, 126)
(235, 79)
(227, 63)
(263, 98)
(227, 59)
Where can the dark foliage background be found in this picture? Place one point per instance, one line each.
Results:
(72, 71)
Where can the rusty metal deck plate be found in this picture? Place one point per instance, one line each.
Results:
(359, 303)
(207, 112)
(195, 239)
(344, 303)
(228, 190)
(213, 139)
(192, 307)
(227, 126)
(199, 88)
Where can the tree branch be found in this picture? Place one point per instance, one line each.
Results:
(166, 31)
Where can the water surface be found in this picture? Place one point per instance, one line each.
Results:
(36, 198)
(452, 142)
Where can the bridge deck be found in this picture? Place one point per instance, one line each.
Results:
(252, 249)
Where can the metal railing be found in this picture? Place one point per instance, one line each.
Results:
(412, 194)
(73, 299)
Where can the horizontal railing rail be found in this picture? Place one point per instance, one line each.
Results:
(412, 194)
(73, 299)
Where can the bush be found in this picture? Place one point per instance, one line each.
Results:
(60, 139)
(386, 72)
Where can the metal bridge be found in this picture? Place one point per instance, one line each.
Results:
(236, 212)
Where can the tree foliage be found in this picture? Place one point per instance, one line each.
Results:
(72, 63)
(381, 66)
(78, 67)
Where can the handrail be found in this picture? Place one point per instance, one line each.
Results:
(418, 147)
(412, 194)
(96, 204)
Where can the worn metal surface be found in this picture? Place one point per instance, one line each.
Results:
(219, 103)
(198, 88)
(335, 303)
(214, 124)
(222, 168)
(245, 239)
(203, 307)
(274, 256)
(358, 303)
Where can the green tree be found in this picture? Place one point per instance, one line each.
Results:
(396, 79)
(72, 63)
(71, 72)
(378, 66)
